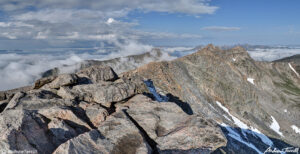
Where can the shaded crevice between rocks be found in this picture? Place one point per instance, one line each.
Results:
(111, 109)
(189, 151)
(14, 103)
(183, 105)
(149, 140)
(2, 107)
(79, 128)
(80, 113)
(186, 108)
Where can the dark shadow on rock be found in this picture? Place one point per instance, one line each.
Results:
(80, 113)
(148, 139)
(168, 98)
(45, 94)
(79, 128)
(40, 141)
(183, 105)
(173, 99)
(2, 107)
(190, 151)
(60, 135)
(84, 80)
(245, 141)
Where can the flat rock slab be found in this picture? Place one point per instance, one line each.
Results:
(101, 93)
(172, 128)
(114, 136)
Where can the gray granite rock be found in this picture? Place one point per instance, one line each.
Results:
(116, 135)
(98, 73)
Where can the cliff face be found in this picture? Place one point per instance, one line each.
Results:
(212, 101)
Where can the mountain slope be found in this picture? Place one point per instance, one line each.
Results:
(257, 95)
(212, 101)
(292, 59)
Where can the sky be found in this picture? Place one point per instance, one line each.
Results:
(38, 35)
(141, 24)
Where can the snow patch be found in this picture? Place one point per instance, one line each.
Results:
(227, 118)
(233, 59)
(285, 110)
(235, 119)
(251, 80)
(153, 91)
(292, 68)
(275, 126)
(245, 129)
(296, 129)
(232, 133)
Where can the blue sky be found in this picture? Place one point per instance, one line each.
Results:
(260, 22)
(138, 24)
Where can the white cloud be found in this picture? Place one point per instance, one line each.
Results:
(70, 24)
(18, 69)
(171, 6)
(110, 21)
(221, 28)
(273, 53)
(64, 23)
(21, 70)
(7, 35)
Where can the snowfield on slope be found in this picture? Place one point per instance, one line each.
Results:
(275, 126)
(245, 129)
(292, 68)
(296, 129)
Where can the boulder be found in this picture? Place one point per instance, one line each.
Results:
(101, 93)
(96, 114)
(62, 130)
(66, 114)
(117, 134)
(41, 82)
(98, 73)
(15, 100)
(172, 128)
(63, 80)
(36, 99)
(24, 130)
(52, 72)
(2, 96)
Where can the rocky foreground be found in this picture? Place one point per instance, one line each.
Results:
(212, 101)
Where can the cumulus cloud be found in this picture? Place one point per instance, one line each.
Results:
(221, 28)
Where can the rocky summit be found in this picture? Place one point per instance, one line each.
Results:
(212, 101)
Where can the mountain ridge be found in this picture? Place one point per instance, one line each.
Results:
(211, 101)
